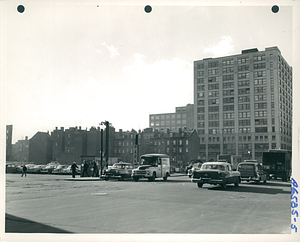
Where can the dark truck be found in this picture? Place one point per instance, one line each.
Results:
(278, 163)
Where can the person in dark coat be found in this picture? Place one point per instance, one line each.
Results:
(95, 169)
(24, 170)
(85, 169)
(73, 168)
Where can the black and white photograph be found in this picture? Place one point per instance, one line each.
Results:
(149, 120)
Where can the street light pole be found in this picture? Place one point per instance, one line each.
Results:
(106, 123)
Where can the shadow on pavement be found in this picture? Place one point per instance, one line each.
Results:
(15, 224)
(248, 189)
(269, 183)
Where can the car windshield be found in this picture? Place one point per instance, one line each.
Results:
(149, 160)
(214, 167)
(197, 165)
(119, 166)
(246, 166)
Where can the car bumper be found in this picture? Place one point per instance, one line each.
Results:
(250, 179)
(208, 180)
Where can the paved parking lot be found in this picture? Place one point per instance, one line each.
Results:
(115, 207)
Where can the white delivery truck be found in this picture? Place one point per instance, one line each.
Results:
(152, 166)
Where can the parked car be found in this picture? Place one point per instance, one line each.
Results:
(196, 166)
(251, 170)
(30, 167)
(119, 170)
(37, 168)
(12, 168)
(48, 169)
(59, 169)
(68, 170)
(216, 173)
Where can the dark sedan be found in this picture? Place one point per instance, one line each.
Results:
(216, 173)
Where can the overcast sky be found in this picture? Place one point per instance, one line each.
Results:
(71, 64)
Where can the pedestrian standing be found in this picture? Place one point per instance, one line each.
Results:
(85, 169)
(24, 170)
(95, 169)
(73, 168)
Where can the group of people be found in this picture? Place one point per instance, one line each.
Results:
(84, 169)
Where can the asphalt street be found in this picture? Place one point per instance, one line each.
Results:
(58, 204)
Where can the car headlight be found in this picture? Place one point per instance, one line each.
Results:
(148, 172)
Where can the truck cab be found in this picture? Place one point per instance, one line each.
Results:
(152, 166)
(251, 170)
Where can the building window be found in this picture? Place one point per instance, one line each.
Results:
(213, 116)
(213, 109)
(213, 79)
(259, 66)
(244, 91)
(263, 121)
(200, 80)
(228, 77)
(228, 123)
(213, 101)
(200, 73)
(228, 85)
(213, 93)
(245, 106)
(228, 100)
(244, 83)
(243, 99)
(243, 75)
(228, 108)
(259, 74)
(228, 115)
(243, 68)
(261, 97)
(200, 65)
(260, 105)
(213, 71)
(227, 62)
(261, 129)
(245, 122)
(227, 69)
(228, 92)
(243, 60)
(213, 64)
(259, 58)
(244, 114)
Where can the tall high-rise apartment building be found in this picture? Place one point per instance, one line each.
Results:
(243, 103)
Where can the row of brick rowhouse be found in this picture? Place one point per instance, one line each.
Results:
(70, 145)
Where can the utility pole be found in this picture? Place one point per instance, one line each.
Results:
(106, 123)
(101, 152)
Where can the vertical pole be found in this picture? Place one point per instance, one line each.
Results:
(107, 142)
(101, 152)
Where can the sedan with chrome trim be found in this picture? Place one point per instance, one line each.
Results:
(119, 170)
(216, 173)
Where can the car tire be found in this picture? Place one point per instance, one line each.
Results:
(200, 184)
(120, 178)
(106, 178)
(136, 178)
(223, 185)
(237, 182)
(165, 178)
(152, 178)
